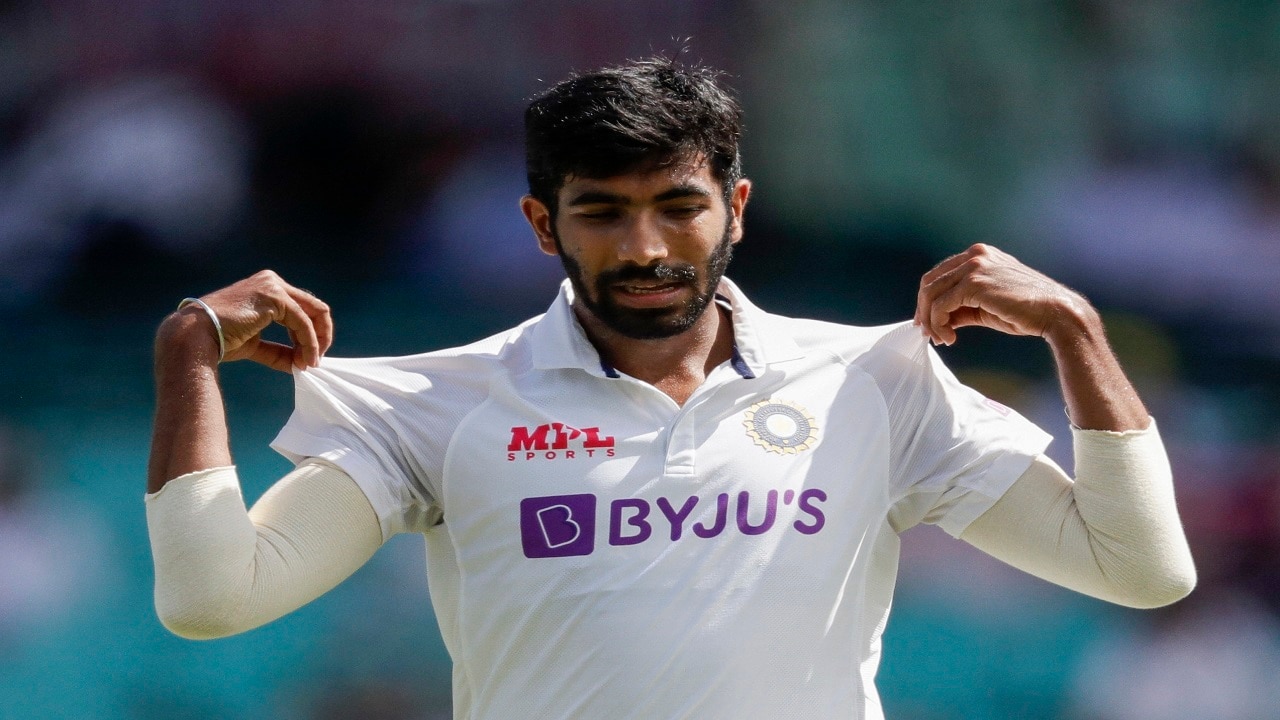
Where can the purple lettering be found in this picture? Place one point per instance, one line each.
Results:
(677, 517)
(770, 513)
(722, 513)
(643, 529)
(558, 525)
(819, 519)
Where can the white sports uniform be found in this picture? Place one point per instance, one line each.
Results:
(597, 551)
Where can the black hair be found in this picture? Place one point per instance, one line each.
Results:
(646, 113)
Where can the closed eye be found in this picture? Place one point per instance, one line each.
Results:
(598, 215)
(685, 212)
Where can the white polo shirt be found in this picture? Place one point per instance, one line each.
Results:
(597, 551)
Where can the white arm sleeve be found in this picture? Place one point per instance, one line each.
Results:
(221, 570)
(1113, 533)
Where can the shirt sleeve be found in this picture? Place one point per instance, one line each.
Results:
(221, 570)
(1113, 533)
(344, 413)
(953, 452)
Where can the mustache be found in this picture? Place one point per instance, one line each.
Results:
(657, 271)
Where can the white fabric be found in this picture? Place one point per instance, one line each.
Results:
(221, 569)
(1143, 560)
(595, 550)
(1114, 533)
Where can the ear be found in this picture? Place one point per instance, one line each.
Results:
(539, 218)
(737, 205)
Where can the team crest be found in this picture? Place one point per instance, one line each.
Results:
(781, 427)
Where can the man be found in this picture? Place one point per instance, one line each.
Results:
(656, 500)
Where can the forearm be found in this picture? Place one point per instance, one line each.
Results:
(190, 427)
(1097, 393)
(221, 570)
(1113, 533)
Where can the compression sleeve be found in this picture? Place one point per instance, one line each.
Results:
(1112, 533)
(221, 570)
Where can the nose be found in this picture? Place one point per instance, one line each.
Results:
(643, 242)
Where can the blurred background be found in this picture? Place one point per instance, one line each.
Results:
(370, 152)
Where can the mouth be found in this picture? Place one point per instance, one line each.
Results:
(648, 293)
(647, 287)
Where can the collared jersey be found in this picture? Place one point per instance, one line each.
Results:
(595, 550)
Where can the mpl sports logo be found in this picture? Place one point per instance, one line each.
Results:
(557, 441)
(565, 525)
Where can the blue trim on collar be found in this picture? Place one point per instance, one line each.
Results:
(735, 360)
(741, 365)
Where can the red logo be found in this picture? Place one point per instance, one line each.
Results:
(556, 441)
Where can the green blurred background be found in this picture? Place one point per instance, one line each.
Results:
(370, 152)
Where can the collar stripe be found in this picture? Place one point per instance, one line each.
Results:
(741, 365)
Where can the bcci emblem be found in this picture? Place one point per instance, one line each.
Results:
(781, 427)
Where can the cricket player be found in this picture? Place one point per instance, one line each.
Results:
(656, 500)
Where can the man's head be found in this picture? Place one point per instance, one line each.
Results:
(643, 115)
(635, 183)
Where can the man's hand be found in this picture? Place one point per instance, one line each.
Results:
(247, 307)
(987, 287)
(190, 430)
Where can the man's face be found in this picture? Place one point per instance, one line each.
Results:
(644, 251)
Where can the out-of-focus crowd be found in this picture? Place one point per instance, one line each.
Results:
(155, 149)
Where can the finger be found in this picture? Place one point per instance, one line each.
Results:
(956, 307)
(274, 355)
(975, 255)
(302, 332)
(318, 311)
(929, 284)
(932, 317)
(946, 266)
(969, 317)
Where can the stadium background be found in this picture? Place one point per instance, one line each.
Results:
(153, 149)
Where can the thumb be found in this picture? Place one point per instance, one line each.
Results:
(274, 355)
(969, 317)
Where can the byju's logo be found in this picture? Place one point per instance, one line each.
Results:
(565, 525)
(557, 441)
(558, 525)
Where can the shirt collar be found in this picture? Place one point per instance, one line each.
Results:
(560, 342)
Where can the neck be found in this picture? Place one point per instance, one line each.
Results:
(676, 365)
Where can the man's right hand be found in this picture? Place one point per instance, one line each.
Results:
(247, 307)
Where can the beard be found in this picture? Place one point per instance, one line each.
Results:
(651, 323)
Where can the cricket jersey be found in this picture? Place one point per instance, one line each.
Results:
(596, 550)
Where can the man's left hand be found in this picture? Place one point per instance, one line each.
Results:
(988, 287)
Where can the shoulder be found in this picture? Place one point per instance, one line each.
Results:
(851, 344)
(471, 366)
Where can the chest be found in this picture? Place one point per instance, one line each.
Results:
(548, 470)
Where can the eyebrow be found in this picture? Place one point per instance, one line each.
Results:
(592, 197)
